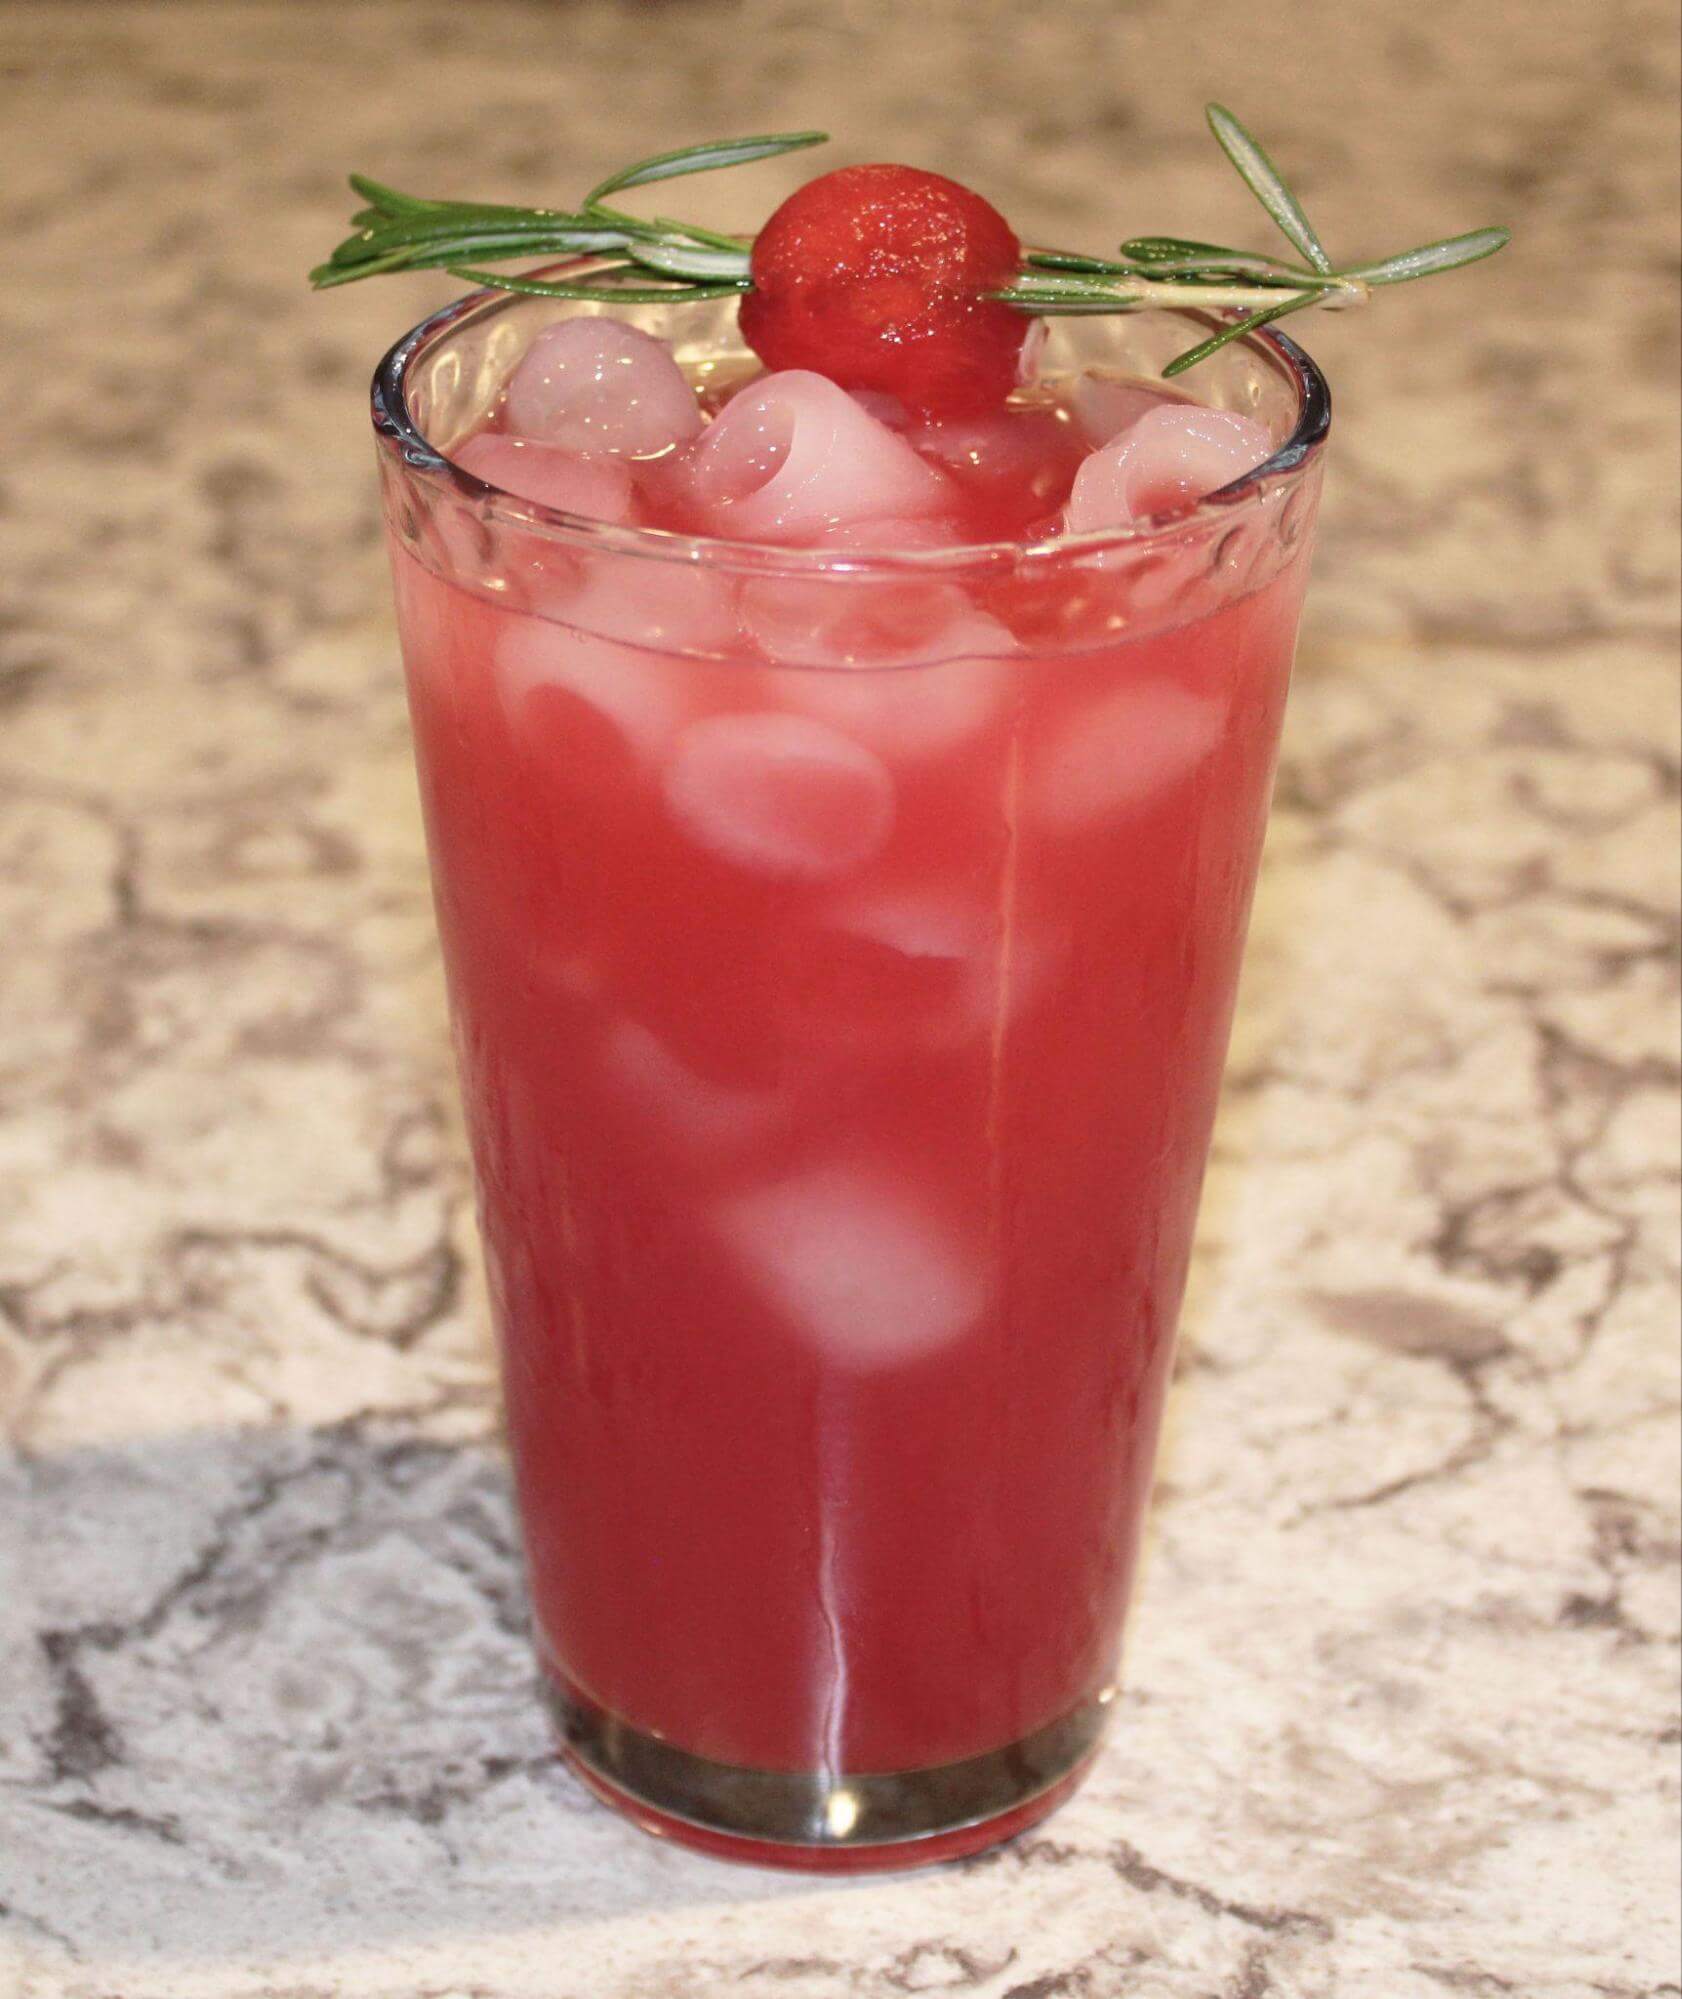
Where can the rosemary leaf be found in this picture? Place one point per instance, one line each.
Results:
(386, 199)
(1267, 184)
(702, 159)
(1069, 260)
(1430, 258)
(714, 238)
(1250, 271)
(1172, 249)
(442, 252)
(1227, 334)
(1063, 304)
(1070, 284)
(513, 240)
(683, 260)
(325, 276)
(589, 288)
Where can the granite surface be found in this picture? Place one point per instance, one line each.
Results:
(1401, 1714)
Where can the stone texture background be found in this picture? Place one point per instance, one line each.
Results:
(1401, 1714)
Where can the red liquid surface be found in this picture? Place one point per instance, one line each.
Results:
(837, 1176)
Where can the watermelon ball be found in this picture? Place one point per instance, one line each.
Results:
(877, 277)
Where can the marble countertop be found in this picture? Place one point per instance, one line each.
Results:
(1400, 1720)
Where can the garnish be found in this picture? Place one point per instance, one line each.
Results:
(930, 291)
(1168, 270)
(403, 232)
(886, 278)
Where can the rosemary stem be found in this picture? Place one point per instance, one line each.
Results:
(1034, 295)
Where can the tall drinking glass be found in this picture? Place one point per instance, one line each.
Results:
(841, 951)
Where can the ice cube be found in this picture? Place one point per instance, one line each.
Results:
(456, 537)
(918, 926)
(704, 1118)
(792, 455)
(1121, 752)
(863, 617)
(1170, 456)
(933, 697)
(643, 695)
(883, 407)
(598, 488)
(1027, 455)
(662, 604)
(858, 1271)
(596, 385)
(855, 621)
(780, 794)
(1105, 405)
(888, 970)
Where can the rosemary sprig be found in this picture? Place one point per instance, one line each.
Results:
(404, 232)
(1158, 270)
(666, 259)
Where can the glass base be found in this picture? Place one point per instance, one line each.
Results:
(823, 1822)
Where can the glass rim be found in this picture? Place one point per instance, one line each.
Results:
(398, 433)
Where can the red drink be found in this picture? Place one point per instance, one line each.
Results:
(841, 960)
